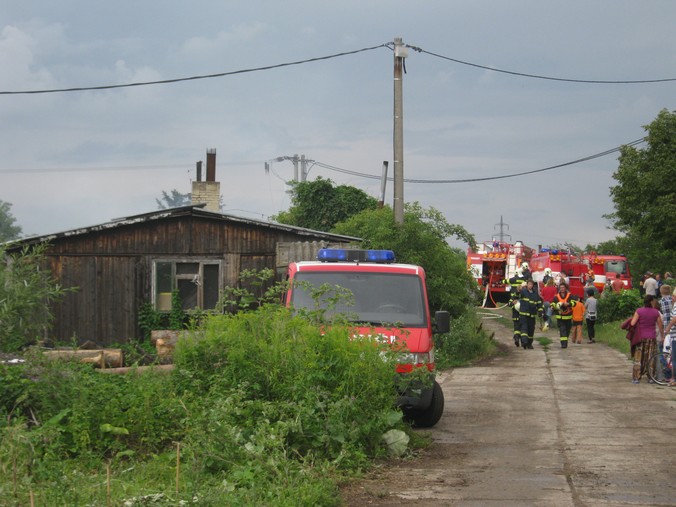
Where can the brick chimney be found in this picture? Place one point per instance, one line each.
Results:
(208, 191)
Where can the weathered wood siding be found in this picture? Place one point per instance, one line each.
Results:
(112, 268)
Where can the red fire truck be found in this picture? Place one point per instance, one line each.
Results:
(561, 263)
(607, 267)
(383, 293)
(491, 263)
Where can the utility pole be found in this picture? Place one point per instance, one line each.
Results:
(400, 52)
(295, 167)
(303, 168)
(383, 184)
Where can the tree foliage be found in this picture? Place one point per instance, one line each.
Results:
(645, 197)
(8, 229)
(320, 204)
(26, 294)
(173, 199)
(420, 240)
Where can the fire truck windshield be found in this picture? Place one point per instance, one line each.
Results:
(376, 297)
(619, 267)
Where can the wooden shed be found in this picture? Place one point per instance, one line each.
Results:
(120, 265)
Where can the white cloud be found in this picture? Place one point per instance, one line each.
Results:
(224, 41)
(459, 121)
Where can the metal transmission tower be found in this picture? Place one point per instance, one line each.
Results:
(502, 233)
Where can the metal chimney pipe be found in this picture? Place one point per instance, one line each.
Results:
(199, 170)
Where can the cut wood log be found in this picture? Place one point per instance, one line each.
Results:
(102, 358)
(160, 368)
(168, 335)
(165, 341)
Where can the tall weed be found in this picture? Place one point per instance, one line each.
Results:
(322, 391)
(466, 342)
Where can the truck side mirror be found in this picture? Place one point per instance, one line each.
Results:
(442, 320)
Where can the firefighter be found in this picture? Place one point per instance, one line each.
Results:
(548, 275)
(563, 306)
(530, 305)
(525, 270)
(515, 284)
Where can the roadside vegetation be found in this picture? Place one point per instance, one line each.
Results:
(263, 408)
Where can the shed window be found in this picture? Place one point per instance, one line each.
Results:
(197, 283)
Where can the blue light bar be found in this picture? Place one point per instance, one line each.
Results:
(331, 255)
(342, 255)
(380, 256)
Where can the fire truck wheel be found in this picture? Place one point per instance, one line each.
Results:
(430, 416)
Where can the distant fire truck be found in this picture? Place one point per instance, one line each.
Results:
(569, 266)
(493, 262)
(608, 267)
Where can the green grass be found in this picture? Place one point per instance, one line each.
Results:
(544, 341)
(465, 343)
(611, 334)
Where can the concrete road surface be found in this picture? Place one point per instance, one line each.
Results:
(543, 427)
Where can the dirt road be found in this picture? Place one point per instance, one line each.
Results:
(543, 427)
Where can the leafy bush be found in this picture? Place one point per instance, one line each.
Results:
(614, 306)
(331, 391)
(85, 406)
(465, 342)
(267, 409)
(26, 294)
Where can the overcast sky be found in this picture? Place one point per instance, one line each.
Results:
(81, 158)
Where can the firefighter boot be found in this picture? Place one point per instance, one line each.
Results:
(530, 343)
(564, 343)
(517, 340)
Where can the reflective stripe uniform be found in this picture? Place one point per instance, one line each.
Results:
(515, 284)
(530, 306)
(564, 316)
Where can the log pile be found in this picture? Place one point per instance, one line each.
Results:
(112, 360)
(100, 358)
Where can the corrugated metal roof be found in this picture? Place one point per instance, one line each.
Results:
(193, 210)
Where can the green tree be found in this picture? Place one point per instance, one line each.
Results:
(8, 229)
(420, 240)
(616, 246)
(320, 205)
(174, 199)
(26, 294)
(645, 197)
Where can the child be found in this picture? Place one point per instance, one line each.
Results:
(590, 315)
(578, 318)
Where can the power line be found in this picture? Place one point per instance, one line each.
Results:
(320, 58)
(489, 178)
(191, 78)
(535, 76)
(319, 164)
(153, 167)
